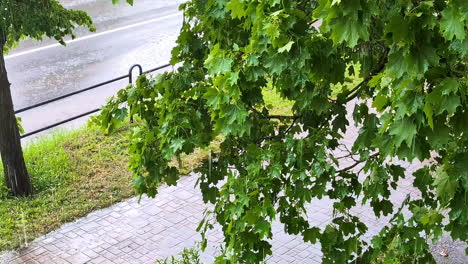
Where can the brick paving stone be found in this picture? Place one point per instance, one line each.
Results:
(30, 261)
(129, 232)
(78, 258)
(183, 195)
(90, 253)
(99, 259)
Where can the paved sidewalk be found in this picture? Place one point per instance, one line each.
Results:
(132, 232)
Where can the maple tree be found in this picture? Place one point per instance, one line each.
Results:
(21, 19)
(407, 94)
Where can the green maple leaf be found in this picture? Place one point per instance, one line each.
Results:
(440, 136)
(448, 86)
(252, 60)
(446, 185)
(450, 103)
(251, 217)
(210, 194)
(271, 30)
(218, 65)
(286, 47)
(460, 46)
(350, 31)
(429, 114)
(420, 60)
(380, 102)
(233, 77)
(117, 1)
(177, 144)
(311, 235)
(452, 24)
(263, 228)
(276, 64)
(414, 63)
(237, 8)
(443, 98)
(139, 183)
(329, 236)
(212, 97)
(403, 130)
(400, 30)
(216, 62)
(422, 179)
(382, 206)
(234, 113)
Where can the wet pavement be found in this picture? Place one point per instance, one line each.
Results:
(133, 232)
(143, 34)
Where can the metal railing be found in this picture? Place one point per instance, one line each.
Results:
(130, 80)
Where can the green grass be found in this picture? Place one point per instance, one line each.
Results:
(274, 102)
(73, 173)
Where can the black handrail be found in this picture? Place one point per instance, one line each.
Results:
(129, 76)
(69, 94)
(59, 123)
(140, 69)
(157, 68)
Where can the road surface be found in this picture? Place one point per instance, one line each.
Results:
(126, 35)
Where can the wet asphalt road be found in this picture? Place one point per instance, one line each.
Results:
(126, 35)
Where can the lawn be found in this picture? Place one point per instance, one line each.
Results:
(73, 173)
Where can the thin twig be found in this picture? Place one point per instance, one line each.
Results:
(279, 136)
(292, 124)
(356, 163)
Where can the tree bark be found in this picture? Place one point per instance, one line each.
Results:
(16, 174)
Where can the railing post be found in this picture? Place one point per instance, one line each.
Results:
(130, 77)
(130, 81)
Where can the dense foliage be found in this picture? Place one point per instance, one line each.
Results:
(408, 98)
(38, 18)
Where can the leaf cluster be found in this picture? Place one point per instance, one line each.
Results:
(35, 19)
(408, 93)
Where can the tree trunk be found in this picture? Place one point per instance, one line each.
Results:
(16, 174)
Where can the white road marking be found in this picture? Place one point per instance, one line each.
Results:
(94, 35)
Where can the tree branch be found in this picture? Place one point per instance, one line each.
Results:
(279, 136)
(292, 124)
(350, 155)
(357, 163)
